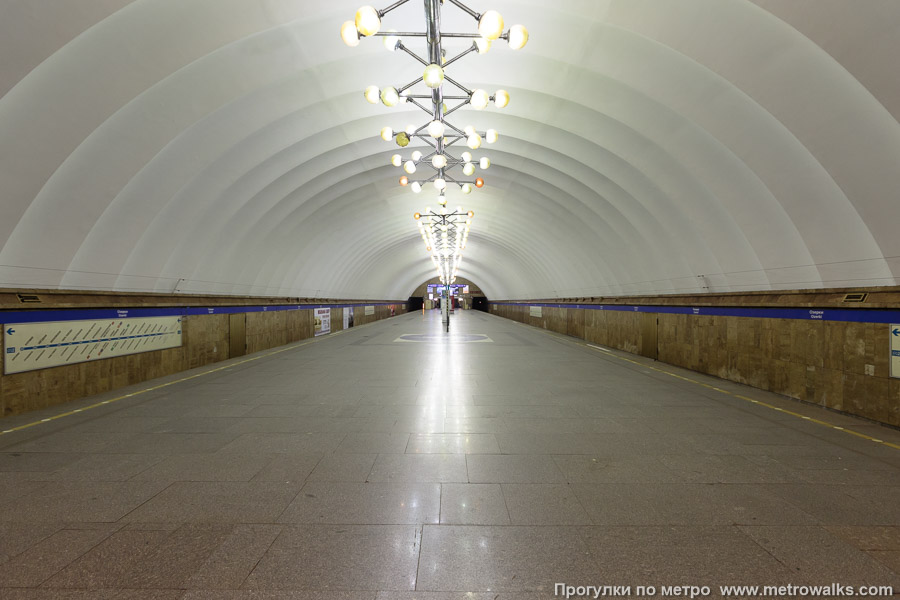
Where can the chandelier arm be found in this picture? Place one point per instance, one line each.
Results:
(458, 106)
(428, 96)
(401, 46)
(461, 133)
(398, 34)
(385, 11)
(425, 139)
(457, 84)
(471, 36)
(465, 8)
(409, 85)
(471, 49)
(411, 100)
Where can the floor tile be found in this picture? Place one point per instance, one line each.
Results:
(544, 504)
(365, 503)
(486, 468)
(439, 468)
(374, 443)
(80, 501)
(814, 555)
(473, 504)
(449, 443)
(217, 502)
(491, 558)
(340, 557)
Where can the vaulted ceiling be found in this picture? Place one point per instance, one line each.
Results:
(651, 146)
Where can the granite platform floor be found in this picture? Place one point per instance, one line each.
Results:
(393, 461)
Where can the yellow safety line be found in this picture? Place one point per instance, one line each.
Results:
(162, 385)
(747, 399)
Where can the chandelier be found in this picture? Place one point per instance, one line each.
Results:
(438, 133)
(445, 235)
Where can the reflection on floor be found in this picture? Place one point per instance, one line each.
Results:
(360, 467)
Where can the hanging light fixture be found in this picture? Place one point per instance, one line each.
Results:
(444, 233)
(438, 132)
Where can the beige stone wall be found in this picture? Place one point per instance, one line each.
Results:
(206, 340)
(843, 366)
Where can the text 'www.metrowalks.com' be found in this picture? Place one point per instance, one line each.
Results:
(833, 590)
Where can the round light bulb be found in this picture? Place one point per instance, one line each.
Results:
(368, 22)
(442, 200)
(440, 184)
(479, 99)
(416, 156)
(484, 163)
(391, 42)
(372, 93)
(439, 161)
(350, 34)
(411, 129)
(483, 45)
(501, 98)
(433, 76)
(416, 187)
(518, 37)
(469, 169)
(404, 180)
(491, 136)
(469, 130)
(409, 166)
(396, 160)
(402, 139)
(490, 25)
(387, 133)
(436, 129)
(389, 96)
(466, 156)
(417, 216)
(479, 183)
(467, 188)
(474, 141)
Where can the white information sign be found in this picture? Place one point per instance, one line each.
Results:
(323, 321)
(535, 311)
(31, 346)
(370, 310)
(895, 350)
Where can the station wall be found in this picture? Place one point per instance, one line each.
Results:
(841, 365)
(206, 339)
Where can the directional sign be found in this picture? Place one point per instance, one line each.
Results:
(895, 351)
(30, 346)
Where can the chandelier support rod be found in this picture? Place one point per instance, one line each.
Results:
(385, 11)
(465, 8)
(471, 36)
(401, 46)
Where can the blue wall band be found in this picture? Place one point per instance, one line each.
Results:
(42, 316)
(858, 315)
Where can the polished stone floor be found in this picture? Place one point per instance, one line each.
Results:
(392, 461)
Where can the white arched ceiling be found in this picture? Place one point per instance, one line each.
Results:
(223, 146)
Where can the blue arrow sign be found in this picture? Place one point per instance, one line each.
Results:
(896, 332)
(11, 331)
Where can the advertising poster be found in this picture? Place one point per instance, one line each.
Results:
(323, 321)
